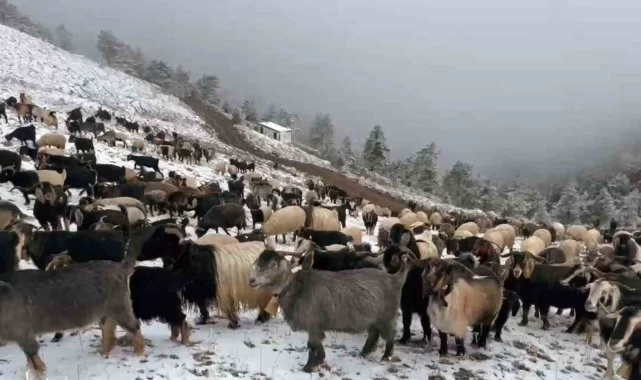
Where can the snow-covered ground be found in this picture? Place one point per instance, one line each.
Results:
(62, 81)
(287, 151)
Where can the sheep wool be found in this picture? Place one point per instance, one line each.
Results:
(233, 269)
(576, 232)
(368, 208)
(422, 217)
(471, 227)
(533, 245)
(408, 219)
(509, 234)
(355, 233)
(571, 249)
(544, 235)
(216, 239)
(436, 219)
(287, 219)
(404, 212)
(325, 220)
(496, 238)
(560, 230)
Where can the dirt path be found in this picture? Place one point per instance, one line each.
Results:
(229, 135)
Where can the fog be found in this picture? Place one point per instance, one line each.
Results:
(529, 85)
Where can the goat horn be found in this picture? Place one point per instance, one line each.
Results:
(509, 254)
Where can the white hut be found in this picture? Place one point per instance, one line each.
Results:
(275, 131)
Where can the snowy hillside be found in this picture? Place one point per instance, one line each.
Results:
(60, 81)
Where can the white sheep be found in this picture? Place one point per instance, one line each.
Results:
(496, 238)
(216, 239)
(232, 169)
(325, 220)
(368, 208)
(51, 151)
(559, 229)
(422, 217)
(138, 145)
(544, 235)
(508, 232)
(220, 168)
(436, 219)
(572, 250)
(533, 245)
(287, 219)
(311, 197)
(427, 249)
(355, 233)
(53, 177)
(120, 201)
(51, 120)
(471, 227)
(576, 232)
(403, 212)
(55, 140)
(408, 219)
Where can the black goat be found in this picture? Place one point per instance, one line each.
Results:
(23, 134)
(224, 216)
(110, 173)
(324, 238)
(144, 161)
(50, 205)
(10, 159)
(74, 115)
(24, 181)
(370, 219)
(84, 144)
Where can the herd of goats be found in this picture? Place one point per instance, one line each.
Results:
(446, 267)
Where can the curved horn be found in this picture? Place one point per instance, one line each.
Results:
(509, 254)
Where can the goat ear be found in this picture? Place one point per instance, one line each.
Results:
(40, 196)
(529, 267)
(78, 216)
(405, 238)
(308, 261)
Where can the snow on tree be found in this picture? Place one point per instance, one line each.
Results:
(121, 56)
(11, 17)
(375, 151)
(64, 38)
(159, 73)
(207, 87)
(629, 210)
(568, 209)
(235, 117)
(270, 113)
(227, 108)
(180, 85)
(619, 186)
(541, 215)
(284, 118)
(321, 134)
(347, 154)
(490, 198)
(249, 110)
(425, 169)
(602, 207)
(461, 186)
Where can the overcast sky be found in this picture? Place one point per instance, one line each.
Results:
(495, 82)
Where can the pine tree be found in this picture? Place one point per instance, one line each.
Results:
(180, 86)
(270, 114)
(619, 186)
(159, 73)
(375, 151)
(426, 172)
(603, 207)
(11, 17)
(227, 108)
(64, 38)
(321, 134)
(249, 110)
(207, 87)
(108, 46)
(235, 117)
(629, 211)
(346, 153)
(461, 186)
(284, 118)
(567, 210)
(541, 215)
(490, 198)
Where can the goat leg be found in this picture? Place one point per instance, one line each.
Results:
(407, 323)
(544, 317)
(316, 352)
(30, 348)
(427, 328)
(57, 337)
(526, 311)
(443, 338)
(460, 346)
(388, 334)
(372, 339)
